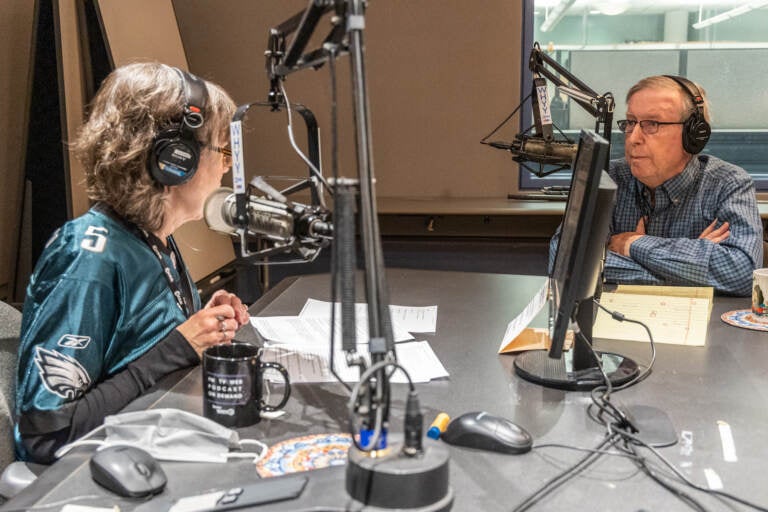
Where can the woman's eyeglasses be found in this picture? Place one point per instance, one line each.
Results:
(226, 151)
(648, 126)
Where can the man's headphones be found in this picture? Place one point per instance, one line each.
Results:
(696, 129)
(175, 152)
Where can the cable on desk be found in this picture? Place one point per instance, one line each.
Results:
(566, 475)
(620, 428)
(685, 479)
(620, 435)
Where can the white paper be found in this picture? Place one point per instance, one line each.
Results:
(296, 330)
(310, 363)
(421, 319)
(415, 319)
(521, 321)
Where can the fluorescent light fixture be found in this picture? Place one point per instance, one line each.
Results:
(736, 11)
(556, 13)
(611, 7)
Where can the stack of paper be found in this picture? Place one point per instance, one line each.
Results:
(302, 343)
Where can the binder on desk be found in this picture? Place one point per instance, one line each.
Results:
(675, 314)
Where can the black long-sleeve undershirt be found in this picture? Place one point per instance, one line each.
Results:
(43, 432)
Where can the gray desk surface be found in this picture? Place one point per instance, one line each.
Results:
(697, 386)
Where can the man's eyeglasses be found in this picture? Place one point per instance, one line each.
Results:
(648, 126)
(226, 151)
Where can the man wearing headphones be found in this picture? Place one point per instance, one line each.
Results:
(110, 307)
(681, 218)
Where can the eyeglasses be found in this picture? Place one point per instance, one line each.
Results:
(226, 151)
(648, 126)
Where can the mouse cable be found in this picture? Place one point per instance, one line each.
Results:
(617, 452)
(565, 475)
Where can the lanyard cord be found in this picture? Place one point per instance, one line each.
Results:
(181, 294)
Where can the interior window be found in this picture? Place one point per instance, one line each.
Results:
(611, 44)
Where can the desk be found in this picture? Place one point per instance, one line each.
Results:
(697, 386)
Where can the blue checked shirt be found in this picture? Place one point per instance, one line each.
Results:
(671, 252)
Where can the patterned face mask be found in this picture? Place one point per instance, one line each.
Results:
(170, 435)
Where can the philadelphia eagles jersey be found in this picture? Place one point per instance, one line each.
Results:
(98, 300)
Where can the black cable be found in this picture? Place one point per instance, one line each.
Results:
(565, 475)
(685, 479)
(619, 429)
(364, 378)
(621, 318)
(482, 141)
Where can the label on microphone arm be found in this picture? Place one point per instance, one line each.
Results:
(546, 114)
(238, 165)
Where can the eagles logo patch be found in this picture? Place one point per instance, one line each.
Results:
(61, 375)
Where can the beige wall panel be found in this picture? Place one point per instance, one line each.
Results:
(16, 21)
(147, 30)
(441, 74)
(73, 100)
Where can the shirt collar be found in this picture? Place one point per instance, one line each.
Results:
(677, 186)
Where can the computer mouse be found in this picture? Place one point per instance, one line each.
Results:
(128, 471)
(484, 431)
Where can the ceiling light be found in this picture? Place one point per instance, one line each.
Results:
(611, 7)
(555, 14)
(736, 11)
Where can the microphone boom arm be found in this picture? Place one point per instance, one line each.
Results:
(600, 107)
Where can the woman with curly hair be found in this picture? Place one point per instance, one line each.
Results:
(110, 307)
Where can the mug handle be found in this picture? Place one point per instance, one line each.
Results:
(286, 394)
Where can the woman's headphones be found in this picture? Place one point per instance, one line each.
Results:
(696, 129)
(175, 152)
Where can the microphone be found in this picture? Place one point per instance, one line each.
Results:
(277, 221)
(536, 149)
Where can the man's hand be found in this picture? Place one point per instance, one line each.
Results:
(716, 235)
(620, 242)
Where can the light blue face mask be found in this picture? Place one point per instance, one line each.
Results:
(171, 435)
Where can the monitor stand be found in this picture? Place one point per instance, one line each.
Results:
(577, 369)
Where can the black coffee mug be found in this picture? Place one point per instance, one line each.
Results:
(233, 384)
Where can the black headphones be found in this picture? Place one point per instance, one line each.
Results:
(175, 152)
(696, 129)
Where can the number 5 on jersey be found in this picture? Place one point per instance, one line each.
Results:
(95, 239)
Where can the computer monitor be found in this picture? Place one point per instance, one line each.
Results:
(576, 278)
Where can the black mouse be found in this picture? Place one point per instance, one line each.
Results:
(487, 432)
(128, 471)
